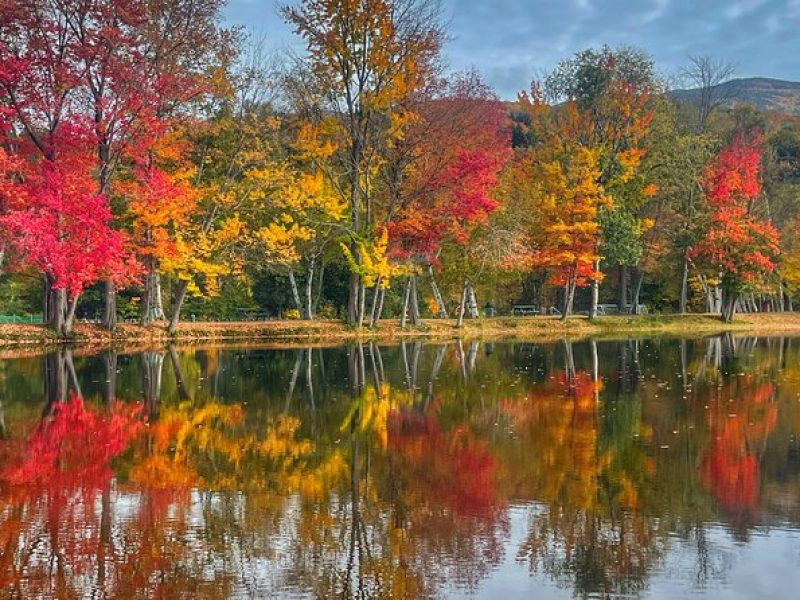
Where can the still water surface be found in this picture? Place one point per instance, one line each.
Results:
(612, 469)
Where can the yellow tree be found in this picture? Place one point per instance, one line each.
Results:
(237, 165)
(364, 59)
(560, 178)
(187, 227)
(612, 88)
(299, 214)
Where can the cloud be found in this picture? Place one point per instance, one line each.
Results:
(511, 41)
(658, 10)
(742, 7)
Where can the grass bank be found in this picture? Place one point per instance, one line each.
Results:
(531, 328)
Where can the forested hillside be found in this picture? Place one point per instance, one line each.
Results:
(765, 94)
(155, 166)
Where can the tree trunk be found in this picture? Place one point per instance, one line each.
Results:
(462, 305)
(441, 307)
(595, 293)
(110, 306)
(69, 319)
(684, 297)
(414, 306)
(296, 294)
(406, 297)
(54, 305)
(622, 293)
(144, 309)
(318, 295)
(59, 310)
(379, 313)
(152, 307)
(309, 301)
(569, 296)
(177, 304)
(47, 301)
(352, 299)
(362, 303)
(728, 308)
(158, 304)
(472, 303)
(637, 288)
(373, 313)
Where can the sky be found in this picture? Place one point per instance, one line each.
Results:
(512, 42)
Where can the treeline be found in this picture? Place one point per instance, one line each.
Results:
(150, 154)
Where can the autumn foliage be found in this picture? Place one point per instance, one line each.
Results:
(731, 466)
(739, 242)
(65, 231)
(450, 469)
(149, 154)
(453, 152)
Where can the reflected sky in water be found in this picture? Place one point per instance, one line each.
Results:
(640, 468)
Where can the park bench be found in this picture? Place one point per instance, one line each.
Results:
(607, 309)
(252, 314)
(613, 309)
(524, 309)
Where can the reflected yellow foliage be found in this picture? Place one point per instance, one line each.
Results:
(210, 446)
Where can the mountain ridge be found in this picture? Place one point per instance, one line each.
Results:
(767, 94)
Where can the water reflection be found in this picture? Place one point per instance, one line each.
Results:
(593, 469)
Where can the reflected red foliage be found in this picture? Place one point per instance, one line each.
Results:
(73, 447)
(730, 469)
(450, 468)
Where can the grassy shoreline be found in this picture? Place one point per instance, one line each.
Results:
(529, 328)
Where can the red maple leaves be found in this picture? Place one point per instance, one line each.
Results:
(463, 144)
(64, 230)
(742, 245)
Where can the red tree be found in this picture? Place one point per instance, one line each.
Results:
(458, 146)
(101, 80)
(442, 174)
(738, 243)
(64, 232)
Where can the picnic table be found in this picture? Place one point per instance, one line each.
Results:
(525, 309)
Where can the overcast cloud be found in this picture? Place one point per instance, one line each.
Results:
(511, 41)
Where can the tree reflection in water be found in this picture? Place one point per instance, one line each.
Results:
(390, 471)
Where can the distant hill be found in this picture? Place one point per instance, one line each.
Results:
(766, 94)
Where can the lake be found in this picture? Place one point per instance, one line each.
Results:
(644, 468)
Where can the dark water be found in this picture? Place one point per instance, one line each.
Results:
(647, 468)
